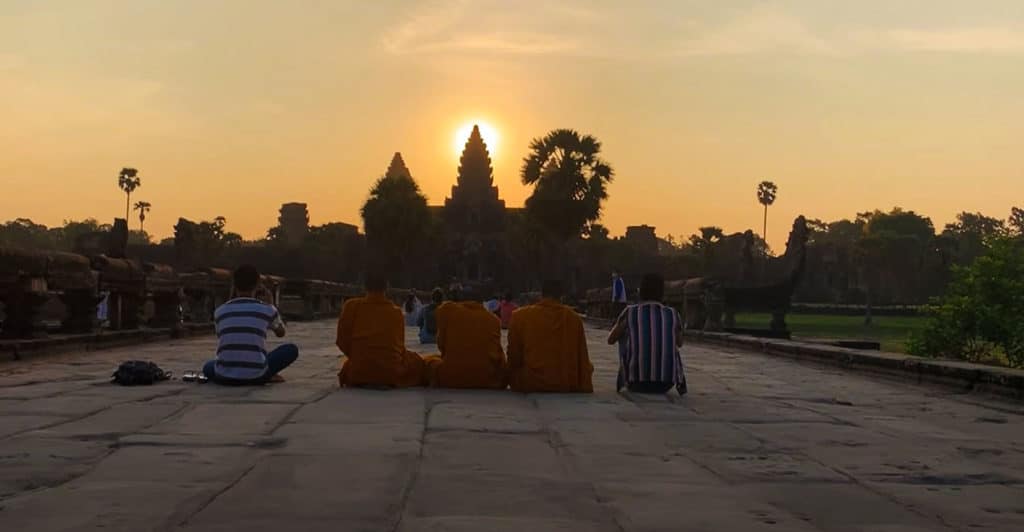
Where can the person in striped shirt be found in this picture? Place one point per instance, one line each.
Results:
(242, 324)
(649, 335)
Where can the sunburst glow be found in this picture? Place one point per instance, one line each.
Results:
(487, 131)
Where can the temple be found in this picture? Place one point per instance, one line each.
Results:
(474, 221)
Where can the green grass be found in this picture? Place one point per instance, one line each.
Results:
(892, 331)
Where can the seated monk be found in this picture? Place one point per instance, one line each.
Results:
(547, 348)
(469, 338)
(371, 335)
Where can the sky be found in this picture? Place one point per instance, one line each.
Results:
(230, 108)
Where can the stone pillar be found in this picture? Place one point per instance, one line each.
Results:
(81, 311)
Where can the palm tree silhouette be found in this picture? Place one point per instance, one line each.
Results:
(143, 208)
(128, 180)
(766, 192)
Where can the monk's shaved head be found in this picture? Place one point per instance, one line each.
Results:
(376, 282)
(551, 288)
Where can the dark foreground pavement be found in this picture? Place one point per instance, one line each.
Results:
(760, 444)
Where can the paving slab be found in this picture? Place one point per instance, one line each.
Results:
(760, 443)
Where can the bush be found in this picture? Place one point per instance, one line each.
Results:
(981, 316)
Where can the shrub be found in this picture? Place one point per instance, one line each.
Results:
(981, 316)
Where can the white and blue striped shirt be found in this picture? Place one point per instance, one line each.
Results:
(242, 325)
(647, 351)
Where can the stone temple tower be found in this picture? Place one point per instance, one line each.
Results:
(475, 217)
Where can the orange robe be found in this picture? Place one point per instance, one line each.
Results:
(371, 334)
(469, 338)
(547, 350)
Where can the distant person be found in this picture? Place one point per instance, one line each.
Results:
(505, 310)
(411, 309)
(492, 305)
(427, 319)
(547, 347)
(469, 338)
(649, 335)
(619, 298)
(371, 335)
(242, 324)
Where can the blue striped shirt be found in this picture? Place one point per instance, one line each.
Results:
(242, 325)
(647, 349)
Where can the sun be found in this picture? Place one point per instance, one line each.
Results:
(487, 131)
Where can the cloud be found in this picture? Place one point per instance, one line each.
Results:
(489, 27)
(758, 30)
(764, 30)
(998, 40)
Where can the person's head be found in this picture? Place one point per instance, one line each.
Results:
(551, 289)
(376, 282)
(652, 287)
(437, 296)
(508, 297)
(246, 279)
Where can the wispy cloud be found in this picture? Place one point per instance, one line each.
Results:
(758, 30)
(489, 27)
(999, 40)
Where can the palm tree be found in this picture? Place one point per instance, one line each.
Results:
(128, 180)
(766, 192)
(569, 183)
(143, 208)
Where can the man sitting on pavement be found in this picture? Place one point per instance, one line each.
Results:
(649, 335)
(427, 320)
(242, 324)
(371, 335)
(469, 338)
(547, 347)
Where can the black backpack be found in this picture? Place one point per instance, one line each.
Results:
(136, 372)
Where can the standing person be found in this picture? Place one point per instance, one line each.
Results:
(505, 310)
(427, 319)
(411, 309)
(547, 347)
(649, 335)
(242, 324)
(619, 298)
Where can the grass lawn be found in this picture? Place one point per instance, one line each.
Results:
(892, 331)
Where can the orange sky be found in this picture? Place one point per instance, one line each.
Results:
(232, 108)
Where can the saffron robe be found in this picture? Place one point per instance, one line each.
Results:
(371, 335)
(547, 350)
(469, 338)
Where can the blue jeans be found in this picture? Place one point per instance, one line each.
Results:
(278, 359)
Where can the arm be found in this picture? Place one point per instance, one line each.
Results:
(617, 331)
(346, 322)
(515, 343)
(277, 324)
(679, 330)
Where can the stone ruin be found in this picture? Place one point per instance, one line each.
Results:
(737, 280)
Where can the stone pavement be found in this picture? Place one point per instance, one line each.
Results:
(759, 444)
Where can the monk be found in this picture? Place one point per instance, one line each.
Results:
(371, 335)
(469, 338)
(547, 348)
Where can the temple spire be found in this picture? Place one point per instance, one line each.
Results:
(475, 163)
(397, 167)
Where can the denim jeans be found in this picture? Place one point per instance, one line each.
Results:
(281, 357)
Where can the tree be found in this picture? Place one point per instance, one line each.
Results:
(1016, 221)
(396, 218)
(979, 317)
(970, 233)
(128, 180)
(143, 208)
(766, 193)
(569, 181)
